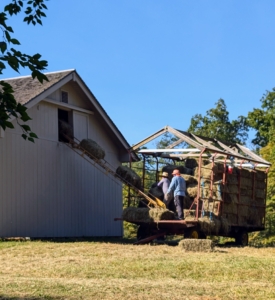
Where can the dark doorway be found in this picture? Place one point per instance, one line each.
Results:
(64, 126)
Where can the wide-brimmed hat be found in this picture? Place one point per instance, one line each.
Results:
(164, 174)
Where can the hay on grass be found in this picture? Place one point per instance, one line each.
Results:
(143, 214)
(196, 245)
(129, 176)
(92, 148)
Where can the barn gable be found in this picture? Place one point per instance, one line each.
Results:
(46, 189)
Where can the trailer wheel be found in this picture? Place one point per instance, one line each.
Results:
(192, 233)
(241, 238)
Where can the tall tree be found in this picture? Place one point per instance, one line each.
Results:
(216, 124)
(15, 59)
(263, 120)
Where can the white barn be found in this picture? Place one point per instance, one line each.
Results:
(46, 189)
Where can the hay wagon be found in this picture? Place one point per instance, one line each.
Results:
(226, 189)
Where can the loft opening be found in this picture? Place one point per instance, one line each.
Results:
(65, 125)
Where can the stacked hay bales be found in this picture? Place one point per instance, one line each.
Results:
(129, 175)
(196, 245)
(94, 151)
(240, 197)
(146, 214)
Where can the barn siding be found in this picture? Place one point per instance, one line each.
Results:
(47, 190)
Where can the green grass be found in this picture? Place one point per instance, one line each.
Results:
(116, 269)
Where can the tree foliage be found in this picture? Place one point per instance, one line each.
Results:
(216, 124)
(263, 120)
(11, 57)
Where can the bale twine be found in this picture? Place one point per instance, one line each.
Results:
(196, 245)
(65, 129)
(93, 149)
(143, 214)
(189, 178)
(129, 175)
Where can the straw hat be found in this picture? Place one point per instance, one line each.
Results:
(164, 174)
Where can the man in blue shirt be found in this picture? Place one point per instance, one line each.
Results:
(178, 187)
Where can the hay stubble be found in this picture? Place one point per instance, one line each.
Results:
(98, 270)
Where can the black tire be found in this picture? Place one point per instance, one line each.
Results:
(193, 233)
(241, 238)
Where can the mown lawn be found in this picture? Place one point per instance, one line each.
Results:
(119, 270)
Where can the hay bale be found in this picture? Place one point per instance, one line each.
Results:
(65, 129)
(93, 149)
(230, 198)
(230, 208)
(209, 225)
(261, 175)
(260, 193)
(246, 182)
(156, 191)
(245, 199)
(195, 245)
(189, 179)
(143, 214)
(183, 170)
(260, 184)
(232, 179)
(192, 190)
(231, 218)
(247, 173)
(233, 188)
(129, 175)
(191, 163)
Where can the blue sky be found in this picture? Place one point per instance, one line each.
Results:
(154, 63)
